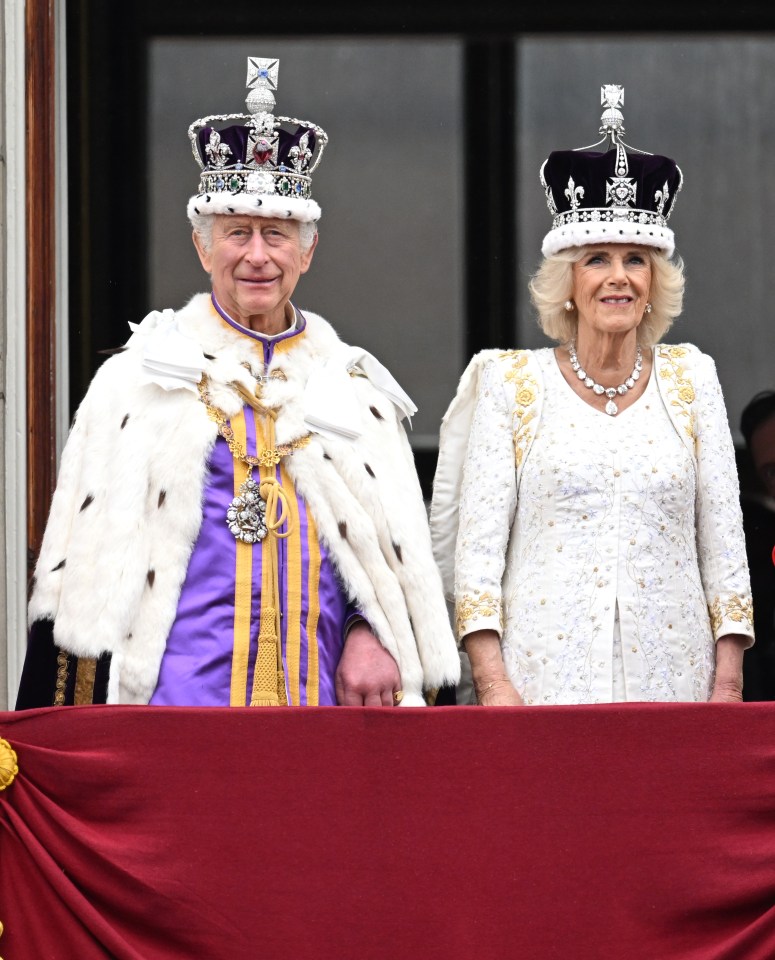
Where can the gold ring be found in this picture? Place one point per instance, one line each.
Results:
(398, 696)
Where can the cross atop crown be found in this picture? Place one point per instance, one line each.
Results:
(261, 84)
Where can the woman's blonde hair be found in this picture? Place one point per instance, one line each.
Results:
(552, 285)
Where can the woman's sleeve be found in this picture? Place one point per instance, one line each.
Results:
(487, 503)
(720, 538)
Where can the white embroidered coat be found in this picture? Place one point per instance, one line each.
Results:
(553, 568)
(128, 504)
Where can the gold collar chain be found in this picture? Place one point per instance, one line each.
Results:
(269, 456)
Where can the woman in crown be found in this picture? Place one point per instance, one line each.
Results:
(586, 512)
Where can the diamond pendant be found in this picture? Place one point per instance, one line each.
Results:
(611, 409)
(246, 515)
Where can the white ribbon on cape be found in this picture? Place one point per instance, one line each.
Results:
(330, 402)
(174, 361)
(170, 358)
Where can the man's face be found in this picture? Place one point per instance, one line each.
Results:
(254, 264)
(763, 453)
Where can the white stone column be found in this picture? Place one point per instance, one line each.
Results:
(13, 286)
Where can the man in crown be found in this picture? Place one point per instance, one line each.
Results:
(237, 518)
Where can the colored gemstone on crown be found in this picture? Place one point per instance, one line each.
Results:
(262, 151)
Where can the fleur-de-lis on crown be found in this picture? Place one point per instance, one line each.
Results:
(216, 151)
(300, 154)
(662, 196)
(574, 194)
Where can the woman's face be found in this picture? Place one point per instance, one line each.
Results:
(611, 286)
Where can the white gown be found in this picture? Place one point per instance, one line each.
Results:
(602, 570)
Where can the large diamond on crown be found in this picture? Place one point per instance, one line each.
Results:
(260, 183)
(620, 191)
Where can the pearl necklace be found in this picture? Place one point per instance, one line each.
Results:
(610, 408)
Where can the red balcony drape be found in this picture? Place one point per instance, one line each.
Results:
(577, 833)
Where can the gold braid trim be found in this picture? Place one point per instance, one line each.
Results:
(681, 389)
(268, 676)
(63, 665)
(271, 455)
(469, 608)
(525, 392)
(735, 608)
(268, 688)
(85, 675)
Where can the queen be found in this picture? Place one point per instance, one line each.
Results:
(586, 511)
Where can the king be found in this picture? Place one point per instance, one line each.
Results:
(237, 519)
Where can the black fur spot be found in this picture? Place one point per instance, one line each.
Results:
(89, 499)
(123, 422)
(259, 202)
(230, 209)
(342, 529)
(151, 577)
(376, 413)
(209, 356)
(369, 470)
(397, 549)
(58, 566)
(162, 497)
(196, 210)
(326, 456)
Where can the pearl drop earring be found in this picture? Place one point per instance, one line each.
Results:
(570, 305)
(649, 308)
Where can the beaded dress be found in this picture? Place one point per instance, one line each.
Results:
(603, 568)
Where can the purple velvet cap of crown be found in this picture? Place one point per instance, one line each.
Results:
(593, 171)
(236, 139)
(590, 204)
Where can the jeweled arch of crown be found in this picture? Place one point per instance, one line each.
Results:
(260, 172)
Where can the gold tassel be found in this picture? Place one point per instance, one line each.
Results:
(268, 675)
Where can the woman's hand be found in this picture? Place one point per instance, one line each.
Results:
(728, 685)
(493, 688)
(497, 693)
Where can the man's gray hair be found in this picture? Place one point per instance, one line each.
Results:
(203, 228)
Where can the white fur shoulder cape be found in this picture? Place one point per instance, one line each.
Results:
(127, 508)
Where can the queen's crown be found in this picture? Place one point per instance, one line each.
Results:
(613, 194)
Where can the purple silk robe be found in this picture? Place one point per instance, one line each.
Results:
(211, 649)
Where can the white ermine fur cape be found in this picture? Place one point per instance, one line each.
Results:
(128, 506)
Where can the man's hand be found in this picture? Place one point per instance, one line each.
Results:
(367, 676)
